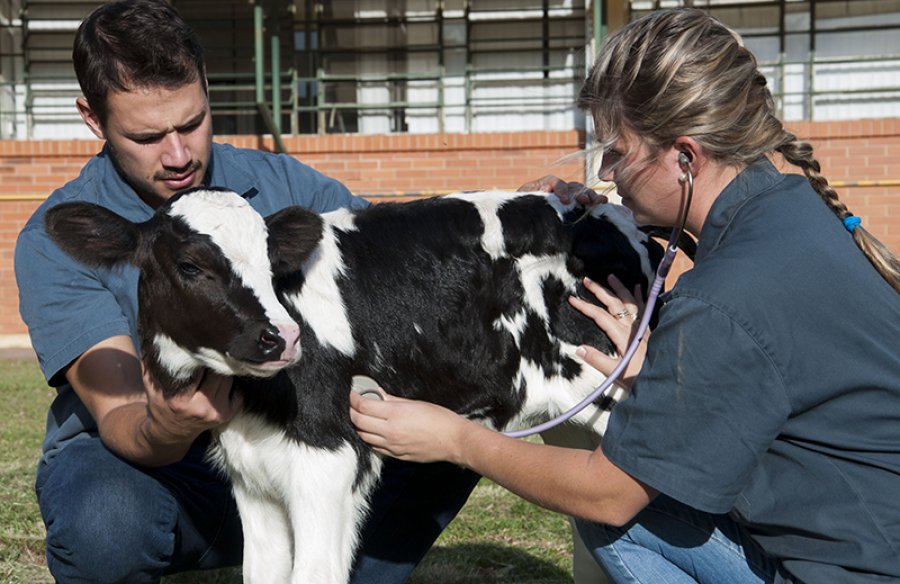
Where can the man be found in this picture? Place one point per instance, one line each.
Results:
(123, 487)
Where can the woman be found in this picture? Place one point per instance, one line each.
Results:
(761, 441)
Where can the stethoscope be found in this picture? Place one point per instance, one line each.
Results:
(684, 160)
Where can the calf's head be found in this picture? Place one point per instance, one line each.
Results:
(205, 294)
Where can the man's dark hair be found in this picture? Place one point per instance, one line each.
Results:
(131, 44)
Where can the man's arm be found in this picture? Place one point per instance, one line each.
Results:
(134, 419)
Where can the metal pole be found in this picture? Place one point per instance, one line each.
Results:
(782, 57)
(276, 70)
(812, 59)
(598, 29)
(441, 67)
(321, 125)
(468, 74)
(259, 50)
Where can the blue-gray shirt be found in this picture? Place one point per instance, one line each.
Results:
(771, 388)
(69, 307)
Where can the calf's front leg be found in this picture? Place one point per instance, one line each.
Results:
(268, 545)
(256, 456)
(326, 510)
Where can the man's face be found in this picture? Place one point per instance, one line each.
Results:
(160, 139)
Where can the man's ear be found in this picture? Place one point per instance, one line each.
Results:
(90, 118)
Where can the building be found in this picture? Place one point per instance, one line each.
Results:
(435, 66)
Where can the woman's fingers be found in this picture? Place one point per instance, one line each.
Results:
(618, 330)
(617, 318)
(548, 184)
(597, 359)
(620, 301)
(566, 191)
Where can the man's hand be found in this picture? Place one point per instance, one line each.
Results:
(180, 419)
(133, 418)
(566, 192)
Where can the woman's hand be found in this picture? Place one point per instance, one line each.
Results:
(619, 321)
(566, 192)
(407, 429)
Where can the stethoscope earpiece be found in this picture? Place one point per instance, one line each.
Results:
(684, 160)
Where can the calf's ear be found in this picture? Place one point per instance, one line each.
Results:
(92, 234)
(294, 233)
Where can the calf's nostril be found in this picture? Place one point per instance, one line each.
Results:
(270, 341)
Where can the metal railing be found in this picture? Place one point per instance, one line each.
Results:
(320, 102)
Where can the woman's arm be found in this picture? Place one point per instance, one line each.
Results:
(577, 482)
(571, 481)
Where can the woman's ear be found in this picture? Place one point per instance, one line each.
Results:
(90, 117)
(689, 154)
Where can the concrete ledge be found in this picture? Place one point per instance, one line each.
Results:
(16, 347)
(15, 342)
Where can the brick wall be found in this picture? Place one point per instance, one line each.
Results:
(387, 167)
(855, 154)
(401, 166)
(378, 167)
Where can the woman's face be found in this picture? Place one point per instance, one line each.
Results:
(648, 182)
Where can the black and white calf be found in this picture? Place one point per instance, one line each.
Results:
(459, 300)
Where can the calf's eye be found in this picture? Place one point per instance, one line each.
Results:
(188, 269)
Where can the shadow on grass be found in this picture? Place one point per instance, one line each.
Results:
(475, 563)
(486, 563)
(456, 564)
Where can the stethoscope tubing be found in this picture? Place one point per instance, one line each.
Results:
(655, 289)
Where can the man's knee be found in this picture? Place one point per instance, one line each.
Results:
(107, 524)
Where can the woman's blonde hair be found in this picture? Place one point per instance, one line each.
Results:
(682, 72)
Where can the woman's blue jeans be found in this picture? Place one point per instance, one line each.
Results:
(110, 521)
(673, 543)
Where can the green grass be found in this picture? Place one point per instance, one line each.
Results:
(497, 538)
(24, 398)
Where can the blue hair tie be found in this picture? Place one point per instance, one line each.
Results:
(851, 222)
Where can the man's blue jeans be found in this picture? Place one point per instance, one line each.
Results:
(673, 543)
(110, 521)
